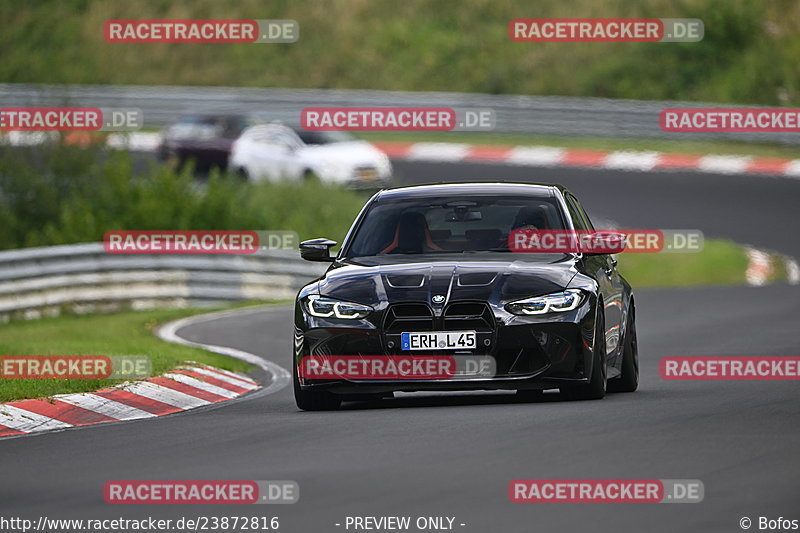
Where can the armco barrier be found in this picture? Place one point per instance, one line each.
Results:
(539, 115)
(82, 278)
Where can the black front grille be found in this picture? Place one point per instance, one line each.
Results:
(408, 317)
(469, 316)
(457, 316)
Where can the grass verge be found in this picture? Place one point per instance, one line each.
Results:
(719, 263)
(125, 333)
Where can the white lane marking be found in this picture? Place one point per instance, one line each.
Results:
(792, 169)
(202, 385)
(234, 375)
(238, 382)
(280, 376)
(792, 271)
(624, 160)
(439, 151)
(104, 406)
(28, 138)
(723, 164)
(140, 141)
(26, 421)
(759, 267)
(172, 397)
(537, 156)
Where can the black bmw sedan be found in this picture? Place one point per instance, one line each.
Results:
(429, 292)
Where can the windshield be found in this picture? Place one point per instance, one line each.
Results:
(453, 225)
(206, 127)
(324, 137)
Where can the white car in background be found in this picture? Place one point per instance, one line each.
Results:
(277, 152)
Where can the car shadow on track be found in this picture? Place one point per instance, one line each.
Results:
(454, 400)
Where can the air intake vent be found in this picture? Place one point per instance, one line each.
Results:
(408, 317)
(405, 280)
(469, 316)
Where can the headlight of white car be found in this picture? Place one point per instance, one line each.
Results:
(322, 307)
(549, 303)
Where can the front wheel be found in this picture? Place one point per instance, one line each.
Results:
(309, 176)
(595, 389)
(628, 381)
(313, 400)
(242, 174)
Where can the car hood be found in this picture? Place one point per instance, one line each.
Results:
(486, 280)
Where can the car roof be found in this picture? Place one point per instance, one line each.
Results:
(495, 188)
(204, 116)
(272, 126)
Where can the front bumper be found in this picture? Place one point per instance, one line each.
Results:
(529, 352)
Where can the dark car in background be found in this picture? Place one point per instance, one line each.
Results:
(431, 265)
(204, 139)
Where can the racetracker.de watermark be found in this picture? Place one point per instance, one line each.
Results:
(397, 119)
(75, 366)
(201, 492)
(730, 368)
(605, 241)
(70, 119)
(606, 30)
(734, 120)
(201, 31)
(606, 491)
(396, 367)
(192, 242)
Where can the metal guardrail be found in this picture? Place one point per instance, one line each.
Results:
(539, 115)
(82, 278)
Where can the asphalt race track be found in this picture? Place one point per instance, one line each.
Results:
(454, 455)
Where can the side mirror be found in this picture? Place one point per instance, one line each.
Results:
(317, 249)
(603, 243)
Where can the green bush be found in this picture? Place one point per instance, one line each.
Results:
(59, 194)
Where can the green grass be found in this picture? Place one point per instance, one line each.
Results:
(748, 55)
(126, 333)
(719, 263)
(596, 143)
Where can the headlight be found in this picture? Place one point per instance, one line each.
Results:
(322, 307)
(549, 303)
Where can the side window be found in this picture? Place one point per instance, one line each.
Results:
(575, 213)
(575, 208)
(583, 213)
(285, 140)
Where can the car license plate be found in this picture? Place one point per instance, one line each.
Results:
(438, 340)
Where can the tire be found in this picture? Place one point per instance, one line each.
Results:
(242, 174)
(173, 160)
(629, 378)
(595, 389)
(313, 400)
(310, 177)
